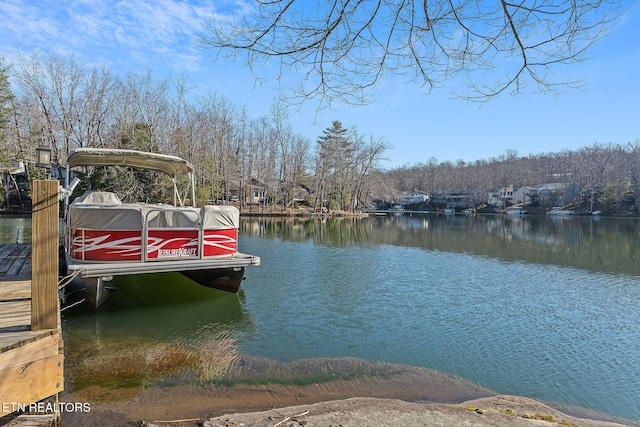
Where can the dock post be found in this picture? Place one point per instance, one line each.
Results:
(44, 241)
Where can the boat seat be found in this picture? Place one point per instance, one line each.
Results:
(103, 210)
(98, 198)
(218, 217)
(166, 216)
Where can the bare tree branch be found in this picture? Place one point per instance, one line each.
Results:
(342, 50)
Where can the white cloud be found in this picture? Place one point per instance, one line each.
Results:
(127, 34)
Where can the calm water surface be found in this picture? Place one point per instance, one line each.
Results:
(546, 308)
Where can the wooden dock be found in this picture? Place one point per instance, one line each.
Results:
(31, 362)
(31, 346)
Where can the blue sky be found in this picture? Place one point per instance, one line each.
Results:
(159, 35)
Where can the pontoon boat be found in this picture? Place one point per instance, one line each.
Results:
(105, 237)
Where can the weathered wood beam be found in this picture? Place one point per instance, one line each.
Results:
(44, 241)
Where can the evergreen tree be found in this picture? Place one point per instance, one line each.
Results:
(334, 166)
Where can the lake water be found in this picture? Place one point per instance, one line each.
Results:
(420, 307)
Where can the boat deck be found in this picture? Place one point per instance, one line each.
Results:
(98, 269)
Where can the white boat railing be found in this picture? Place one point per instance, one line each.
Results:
(198, 226)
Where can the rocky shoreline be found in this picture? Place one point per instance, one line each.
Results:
(494, 411)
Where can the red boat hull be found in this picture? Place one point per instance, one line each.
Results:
(126, 245)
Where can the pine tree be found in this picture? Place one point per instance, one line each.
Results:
(334, 167)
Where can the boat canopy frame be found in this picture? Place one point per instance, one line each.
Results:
(171, 165)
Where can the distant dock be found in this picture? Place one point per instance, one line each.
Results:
(31, 346)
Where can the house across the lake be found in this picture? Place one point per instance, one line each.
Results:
(508, 196)
(414, 198)
(555, 194)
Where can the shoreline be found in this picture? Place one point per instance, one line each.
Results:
(493, 411)
(413, 398)
(277, 212)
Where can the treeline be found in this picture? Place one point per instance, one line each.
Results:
(608, 174)
(63, 104)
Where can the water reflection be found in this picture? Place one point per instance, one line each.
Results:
(591, 243)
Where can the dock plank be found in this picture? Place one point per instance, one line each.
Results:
(12, 340)
(15, 289)
(15, 314)
(20, 259)
(38, 349)
(25, 270)
(6, 257)
(5, 250)
(13, 257)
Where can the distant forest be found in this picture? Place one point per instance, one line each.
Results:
(61, 103)
(608, 174)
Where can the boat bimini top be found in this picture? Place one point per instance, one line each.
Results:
(171, 165)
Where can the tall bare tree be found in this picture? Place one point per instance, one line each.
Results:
(6, 107)
(68, 105)
(95, 104)
(368, 158)
(143, 107)
(37, 100)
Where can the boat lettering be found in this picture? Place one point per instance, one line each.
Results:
(180, 252)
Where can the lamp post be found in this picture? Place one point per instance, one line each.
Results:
(43, 158)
